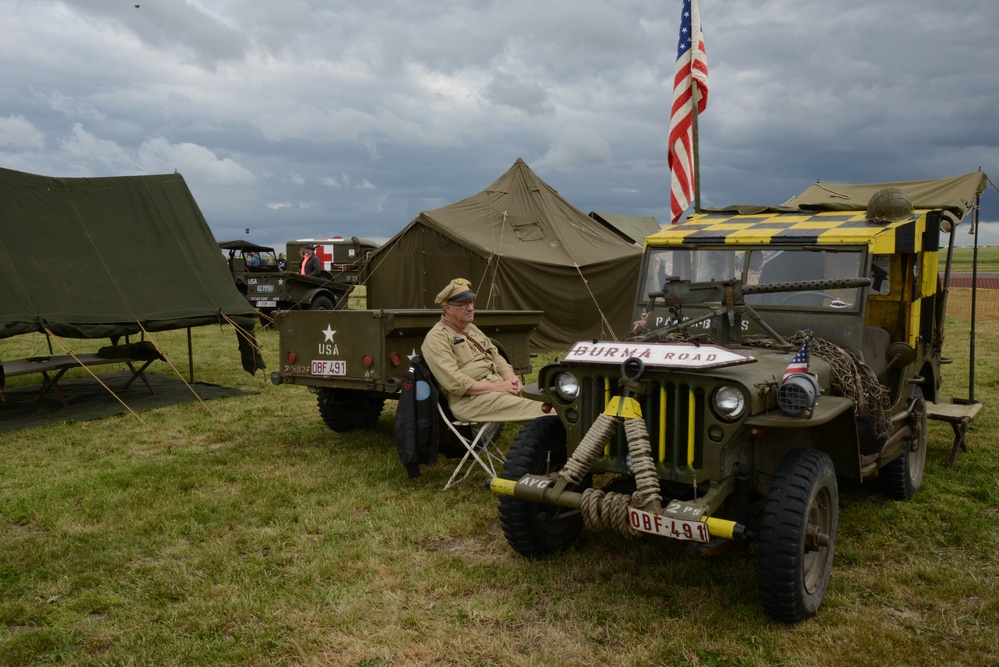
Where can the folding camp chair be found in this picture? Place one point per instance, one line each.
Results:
(479, 440)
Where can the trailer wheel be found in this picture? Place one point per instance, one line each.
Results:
(534, 530)
(901, 478)
(321, 303)
(345, 410)
(798, 535)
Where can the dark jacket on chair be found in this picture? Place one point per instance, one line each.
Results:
(416, 421)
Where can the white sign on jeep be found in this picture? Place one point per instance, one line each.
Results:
(656, 355)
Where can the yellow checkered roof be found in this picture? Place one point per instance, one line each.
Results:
(794, 228)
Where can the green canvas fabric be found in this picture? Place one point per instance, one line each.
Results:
(632, 228)
(953, 193)
(95, 257)
(523, 247)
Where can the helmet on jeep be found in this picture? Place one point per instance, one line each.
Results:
(889, 205)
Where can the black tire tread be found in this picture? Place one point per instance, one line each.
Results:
(344, 410)
(782, 535)
(524, 529)
(894, 479)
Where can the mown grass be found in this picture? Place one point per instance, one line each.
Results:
(988, 259)
(243, 532)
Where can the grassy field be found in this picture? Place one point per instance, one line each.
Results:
(243, 532)
(988, 259)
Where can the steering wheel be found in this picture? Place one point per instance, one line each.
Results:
(795, 295)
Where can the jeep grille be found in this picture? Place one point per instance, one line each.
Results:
(674, 415)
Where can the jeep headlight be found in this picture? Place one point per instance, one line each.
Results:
(729, 402)
(567, 386)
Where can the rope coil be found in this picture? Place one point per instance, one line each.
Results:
(608, 510)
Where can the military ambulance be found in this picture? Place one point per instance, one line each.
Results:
(340, 258)
(774, 350)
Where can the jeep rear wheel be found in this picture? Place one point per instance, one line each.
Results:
(346, 410)
(798, 535)
(534, 530)
(901, 478)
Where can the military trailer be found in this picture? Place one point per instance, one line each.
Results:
(354, 360)
(257, 276)
(774, 350)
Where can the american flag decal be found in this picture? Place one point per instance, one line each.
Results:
(800, 362)
(691, 65)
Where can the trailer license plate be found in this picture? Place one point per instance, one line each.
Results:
(666, 526)
(329, 367)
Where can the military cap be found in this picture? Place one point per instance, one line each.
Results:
(457, 291)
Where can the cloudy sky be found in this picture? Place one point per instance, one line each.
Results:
(308, 118)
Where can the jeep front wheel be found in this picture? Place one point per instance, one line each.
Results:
(798, 535)
(534, 530)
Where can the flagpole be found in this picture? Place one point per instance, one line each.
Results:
(696, 149)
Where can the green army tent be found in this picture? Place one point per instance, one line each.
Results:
(109, 257)
(523, 247)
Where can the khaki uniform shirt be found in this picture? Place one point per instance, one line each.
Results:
(457, 363)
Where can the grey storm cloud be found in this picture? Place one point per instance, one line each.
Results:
(301, 118)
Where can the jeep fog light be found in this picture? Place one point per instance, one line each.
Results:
(797, 394)
(729, 403)
(567, 386)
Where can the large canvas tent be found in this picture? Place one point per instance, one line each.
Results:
(109, 257)
(523, 247)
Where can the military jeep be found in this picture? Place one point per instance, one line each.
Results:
(774, 349)
(269, 288)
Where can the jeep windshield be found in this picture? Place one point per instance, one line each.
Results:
(763, 266)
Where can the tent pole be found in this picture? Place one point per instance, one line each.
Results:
(974, 306)
(190, 357)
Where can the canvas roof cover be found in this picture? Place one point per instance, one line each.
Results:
(94, 257)
(523, 247)
(954, 193)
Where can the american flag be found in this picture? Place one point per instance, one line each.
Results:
(691, 65)
(800, 362)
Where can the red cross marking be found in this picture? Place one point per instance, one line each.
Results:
(325, 258)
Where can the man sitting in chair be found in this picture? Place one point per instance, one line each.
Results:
(479, 383)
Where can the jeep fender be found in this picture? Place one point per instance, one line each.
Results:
(311, 295)
(831, 428)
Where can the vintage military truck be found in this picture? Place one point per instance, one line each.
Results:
(258, 277)
(341, 258)
(774, 349)
(354, 360)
